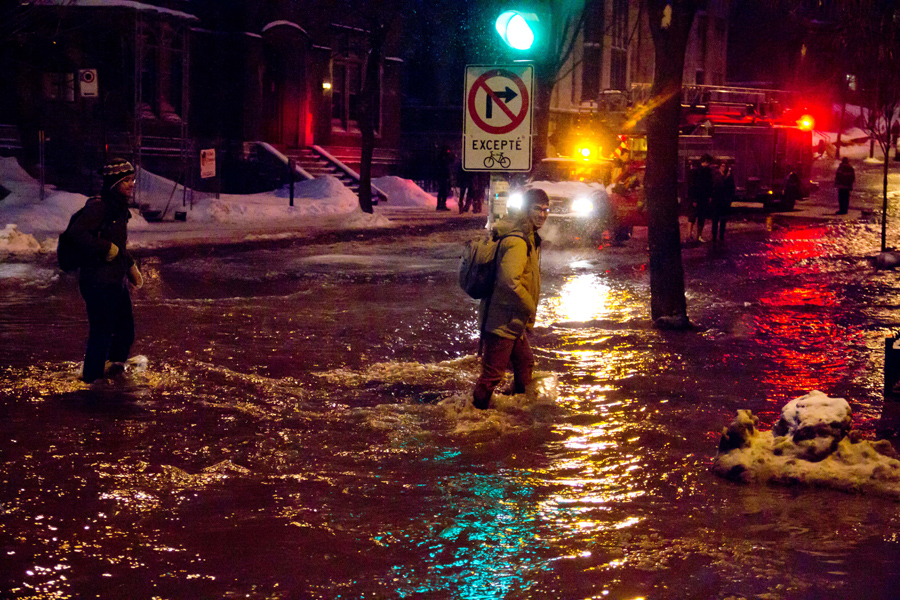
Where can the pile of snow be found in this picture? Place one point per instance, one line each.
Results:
(812, 444)
(26, 213)
(404, 193)
(13, 240)
(318, 197)
(33, 225)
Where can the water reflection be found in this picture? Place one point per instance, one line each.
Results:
(585, 297)
(307, 454)
(799, 328)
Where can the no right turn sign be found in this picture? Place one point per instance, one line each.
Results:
(498, 103)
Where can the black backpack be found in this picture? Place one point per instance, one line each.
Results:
(478, 265)
(68, 254)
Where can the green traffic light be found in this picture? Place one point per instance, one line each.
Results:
(515, 30)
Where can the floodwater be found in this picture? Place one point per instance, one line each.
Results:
(299, 429)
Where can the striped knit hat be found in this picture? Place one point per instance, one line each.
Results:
(115, 171)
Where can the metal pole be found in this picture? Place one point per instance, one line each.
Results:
(186, 153)
(138, 96)
(218, 177)
(41, 138)
(291, 177)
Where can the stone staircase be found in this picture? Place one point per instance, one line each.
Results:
(318, 163)
(318, 166)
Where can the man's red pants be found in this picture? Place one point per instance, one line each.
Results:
(498, 354)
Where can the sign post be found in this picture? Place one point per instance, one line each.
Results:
(497, 128)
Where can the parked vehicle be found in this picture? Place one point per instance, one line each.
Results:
(584, 204)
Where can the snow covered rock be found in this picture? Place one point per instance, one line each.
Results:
(815, 424)
(811, 444)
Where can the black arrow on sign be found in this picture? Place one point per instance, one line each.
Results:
(505, 95)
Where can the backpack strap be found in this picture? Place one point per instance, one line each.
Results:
(516, 235)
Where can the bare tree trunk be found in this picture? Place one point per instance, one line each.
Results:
(369, 103)
(670, 24)
(884, 195)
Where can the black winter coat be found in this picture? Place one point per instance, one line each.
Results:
(103, 222)
(702, 187)
(844, 177)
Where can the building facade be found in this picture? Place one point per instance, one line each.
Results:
(609, 72)
(157, 81)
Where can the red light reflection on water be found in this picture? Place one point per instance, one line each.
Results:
(798, 329)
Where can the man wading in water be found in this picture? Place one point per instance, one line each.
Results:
(508, 313)
(101, 234)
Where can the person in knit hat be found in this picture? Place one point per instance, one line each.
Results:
(101, 234)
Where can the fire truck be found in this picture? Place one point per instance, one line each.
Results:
(763, 147)
(765, 135)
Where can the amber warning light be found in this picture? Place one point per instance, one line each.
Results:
(806, 122)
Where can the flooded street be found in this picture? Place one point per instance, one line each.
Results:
(298, 430)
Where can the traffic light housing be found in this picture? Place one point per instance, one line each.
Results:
(517, 29)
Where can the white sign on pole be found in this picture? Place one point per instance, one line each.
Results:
(87, 83)
(207, 163)
(498, 107)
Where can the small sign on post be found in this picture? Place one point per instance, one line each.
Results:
(87, 83)
(207, 163)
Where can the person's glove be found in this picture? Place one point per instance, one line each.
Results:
(113, 252)
(135, 277)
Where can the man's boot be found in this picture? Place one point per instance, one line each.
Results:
(480, 401)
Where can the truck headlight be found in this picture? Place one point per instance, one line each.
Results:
(514, 201)
(582, 206)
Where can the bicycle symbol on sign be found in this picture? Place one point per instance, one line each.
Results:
(497, 157)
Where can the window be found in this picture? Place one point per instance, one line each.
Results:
(618, 62)
(347, 71)
(618, 57)
(592, 52)
(161, 65)
(345, 95)
(59, 86)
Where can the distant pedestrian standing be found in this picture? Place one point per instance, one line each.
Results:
(720, 202)
(101, 234)
(508, 314)
(843, 181)
(700, 194)
(443, 174)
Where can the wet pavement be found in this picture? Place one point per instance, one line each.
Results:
(299, 429)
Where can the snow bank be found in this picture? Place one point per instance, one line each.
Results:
(33, 225)
(319, 197)
(811, 444)
(404, 193)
